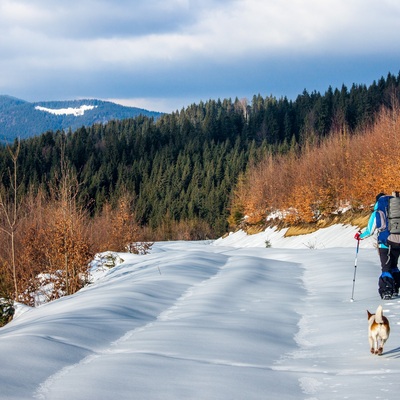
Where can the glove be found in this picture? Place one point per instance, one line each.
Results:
(357, 235)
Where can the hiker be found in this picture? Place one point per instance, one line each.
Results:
(389, 281)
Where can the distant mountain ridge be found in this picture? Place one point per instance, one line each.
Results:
(20, 118)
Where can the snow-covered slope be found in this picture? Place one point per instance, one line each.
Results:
(224, 320)
(22, 119)
(77, 111)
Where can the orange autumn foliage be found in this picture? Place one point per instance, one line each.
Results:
(342, 169)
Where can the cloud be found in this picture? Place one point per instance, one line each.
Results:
(91, 19)
(187, 48)
(301, 26)
(136, 32)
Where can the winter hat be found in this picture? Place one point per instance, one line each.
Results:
(378, 196)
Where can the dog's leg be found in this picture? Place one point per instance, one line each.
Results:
(380, 348)
(375, 346)
(371, 344)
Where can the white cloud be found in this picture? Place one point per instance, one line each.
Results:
(90, 44)
(242, 28)
(76, 34)
(22, 13)
(310, 26)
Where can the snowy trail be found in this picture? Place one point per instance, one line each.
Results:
(333, 356)
(200, 321)
(196, 343)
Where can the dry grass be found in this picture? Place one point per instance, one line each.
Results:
(358, 219)
(254, 229)
(300, 230)
(361, 221)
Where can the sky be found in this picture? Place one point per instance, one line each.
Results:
(224, 319)
(164, 55)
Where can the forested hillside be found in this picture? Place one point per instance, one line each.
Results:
(181, 167)
(65, 196)
(184, 165)
(20, 118)
(314, 183)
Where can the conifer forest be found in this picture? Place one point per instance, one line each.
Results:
(191, 174)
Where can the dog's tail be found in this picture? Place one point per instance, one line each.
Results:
(379, 315)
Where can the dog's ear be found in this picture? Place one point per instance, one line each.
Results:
(369, 314)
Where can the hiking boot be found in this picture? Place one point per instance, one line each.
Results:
(387, 297)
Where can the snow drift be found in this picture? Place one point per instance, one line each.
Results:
(228, 319)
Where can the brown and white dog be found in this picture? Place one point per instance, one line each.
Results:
(378, 331)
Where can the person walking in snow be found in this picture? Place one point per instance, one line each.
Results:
(389, 280)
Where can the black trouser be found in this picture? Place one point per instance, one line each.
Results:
(388, 258)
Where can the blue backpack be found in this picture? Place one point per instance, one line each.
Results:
(388, 220)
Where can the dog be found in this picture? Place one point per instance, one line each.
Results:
(378, 331)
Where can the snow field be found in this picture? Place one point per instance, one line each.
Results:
(222, 320)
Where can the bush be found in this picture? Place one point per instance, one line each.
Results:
(7, 311)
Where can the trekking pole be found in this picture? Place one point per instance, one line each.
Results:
(355, 266)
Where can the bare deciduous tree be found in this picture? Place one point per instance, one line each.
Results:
(58, 242)
(9, 208)
(339, 170)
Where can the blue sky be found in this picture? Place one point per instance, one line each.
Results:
(166, 54)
